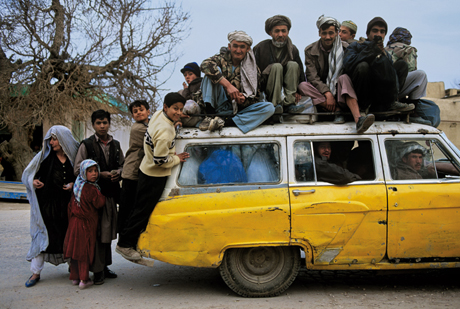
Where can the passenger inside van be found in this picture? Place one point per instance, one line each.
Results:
(361, 161)
(412, 160)
(329, 171)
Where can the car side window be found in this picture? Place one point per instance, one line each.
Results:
(337, 162)
(230, 164)
(419, 159)
(445, 165)
(303, 161)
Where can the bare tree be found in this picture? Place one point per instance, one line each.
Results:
(61, 59)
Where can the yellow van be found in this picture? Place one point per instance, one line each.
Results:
(252, 204)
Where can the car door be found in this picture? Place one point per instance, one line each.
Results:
(341, 224)
(423, 199)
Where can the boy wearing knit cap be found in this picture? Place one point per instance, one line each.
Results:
(192, 84)
(192, 94)
(348, 31)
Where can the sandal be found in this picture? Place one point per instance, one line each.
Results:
(31, 282)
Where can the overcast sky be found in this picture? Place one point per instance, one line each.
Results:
(434, 24)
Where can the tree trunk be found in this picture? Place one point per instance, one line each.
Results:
(16, 151)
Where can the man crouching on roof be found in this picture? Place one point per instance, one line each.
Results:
(230, 87)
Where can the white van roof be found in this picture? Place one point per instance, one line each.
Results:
(319, 128)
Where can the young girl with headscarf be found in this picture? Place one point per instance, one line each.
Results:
(80, 239)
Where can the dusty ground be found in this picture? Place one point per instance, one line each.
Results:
(169, 286)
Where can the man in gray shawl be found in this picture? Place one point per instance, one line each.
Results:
(329, 89)
(231, 87)
(280, 63)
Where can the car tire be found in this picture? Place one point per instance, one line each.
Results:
(260, 271)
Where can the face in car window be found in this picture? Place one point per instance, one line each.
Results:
(337, 162)
(418, 159)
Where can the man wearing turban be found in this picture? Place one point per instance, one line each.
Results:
(329, 89)
(376, 79)
(231, 87)
(348, 31)
(411, 163)
(280, 63)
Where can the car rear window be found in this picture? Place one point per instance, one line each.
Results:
(235, 164)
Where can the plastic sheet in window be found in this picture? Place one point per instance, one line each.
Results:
(222, 166)
(263, 167)
(188, 175)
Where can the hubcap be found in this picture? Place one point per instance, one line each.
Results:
(260, 265)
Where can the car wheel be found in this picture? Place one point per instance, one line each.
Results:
(260, 271)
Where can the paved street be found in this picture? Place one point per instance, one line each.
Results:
(169, 286)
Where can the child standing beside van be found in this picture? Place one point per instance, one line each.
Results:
(80, 238)
(160, 157)
(141, 112)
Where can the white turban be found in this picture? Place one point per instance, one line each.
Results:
(240, 36)
(325, 19)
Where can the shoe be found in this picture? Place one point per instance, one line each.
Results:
(339, 119)
(278, 109)
(216, 124)
(84, 285)
(31, 282)
(75, 282)
(364, 123)
(98, 278)
(204, 125)
(401, 107)
(128, 253)
(419, 120)
(109, 274)
(296, 109)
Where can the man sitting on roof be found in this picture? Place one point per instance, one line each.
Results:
(327, 86)
(280, 63)
(414, 87)
(376, 79)
(230, 87)
(348, 31)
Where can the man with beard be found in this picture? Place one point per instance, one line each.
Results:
(411, 165)
(230, 87)
(329, 89)
(280, 63)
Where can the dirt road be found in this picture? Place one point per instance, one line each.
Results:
(169, 286)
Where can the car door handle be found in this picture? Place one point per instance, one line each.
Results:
(297, 192)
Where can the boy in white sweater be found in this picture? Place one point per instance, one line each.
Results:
(159, 159)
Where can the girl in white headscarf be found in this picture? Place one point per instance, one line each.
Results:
(49, 180)
(80, 239)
